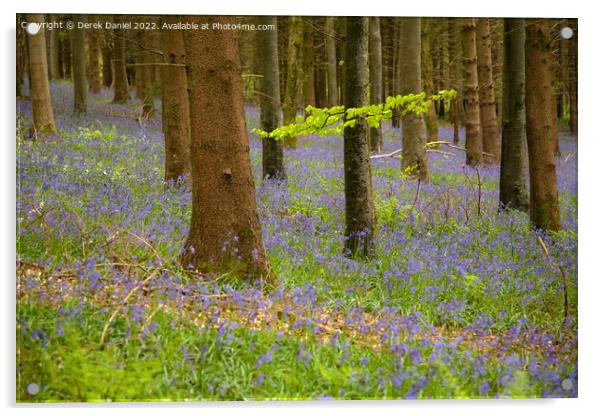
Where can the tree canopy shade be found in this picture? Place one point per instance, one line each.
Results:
(225, 233)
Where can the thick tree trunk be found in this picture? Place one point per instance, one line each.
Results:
(414, 159)
(53, 54)
(455, 70)
(489, 126)
(427, 79)
(294, 75)
(376, 80)
(360, 216)
(545, 213)
(471, 94)
(176, 117)
(225, 233)
(513, 184)
(573, 65)
(331, 62)
(120, 82)
(497, 58)
(80, 84)
(43, 117)
(271, 115)
(94, 61)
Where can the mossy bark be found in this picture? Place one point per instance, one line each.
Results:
(471, 94)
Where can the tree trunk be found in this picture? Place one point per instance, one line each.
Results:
(427, 79)
(545, 213)
(376, 80)
(488, 116)
(80, 85)
(107, 67)
(331, 62)
(309, 76)
(53, 54)
(175, 114)
(94, 61)
(360, 216)
(271, 115)
(66, 47)
(573, 65)
(225, 233)
(120, 82)
(396, 118)
(455, 70)
(43, 118)
(21, 49)
(513, 185)
(294, 75)
(414, 159)
(471, 94)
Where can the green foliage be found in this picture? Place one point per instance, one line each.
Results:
(333, 120)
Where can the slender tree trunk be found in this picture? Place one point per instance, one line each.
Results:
(294, 75)
(545, 213)
(573, 65)
(66, 47)
(21, 49)
(43, 117)
(331, 62)
(271, 115)
(513, 184)
(396, 118)
(53, 54)
(120, 82)
(225, 233)
(376, 80)
(94, 61)
(455, 70)
(488, 116)
(176, 117)
(414, 159)
(107, 67)
(497, 58)
(471, 94)
(80, 85)
(309, 76)
(427, 79)
(360, 216)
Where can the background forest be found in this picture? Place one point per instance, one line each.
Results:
(295, 208)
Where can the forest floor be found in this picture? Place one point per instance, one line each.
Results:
(459, 300)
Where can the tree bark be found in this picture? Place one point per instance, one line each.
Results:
(488, 116)
(43, 117)
(175, 114)
(107, 67)
(21, 50)
(331, 62)
(271, 115)
(360, 216)
(471, 94)
(427, 79)
(545, 213)
(396, 118)
(376, 80)
(309, 72)
(573, 90)
(120, 81)
(513, 184)
(66, 48)
(294, 75)
(414, 159)
(94, 61)
(225, 233)
(53, 54)
(455, 70)
(80, 84)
